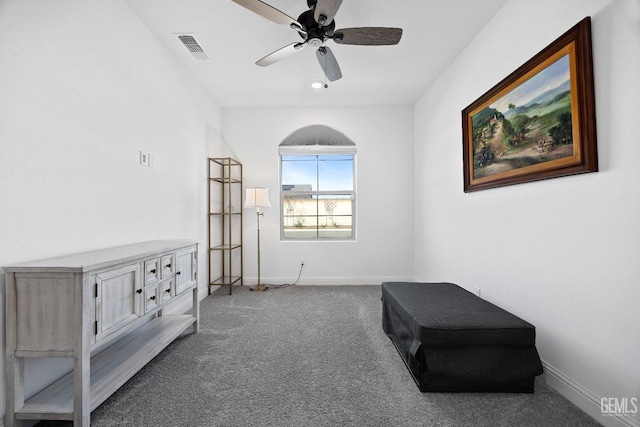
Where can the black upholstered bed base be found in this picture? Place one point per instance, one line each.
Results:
(454, 341)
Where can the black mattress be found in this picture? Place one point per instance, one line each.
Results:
(454, 341)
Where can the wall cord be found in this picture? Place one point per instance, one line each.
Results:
(286, 285)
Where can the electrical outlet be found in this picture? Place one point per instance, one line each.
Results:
(302, 262)
(152, 161)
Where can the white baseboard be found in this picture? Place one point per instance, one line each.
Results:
(319, 280)
(584, 399)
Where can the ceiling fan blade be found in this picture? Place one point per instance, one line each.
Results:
(267, 11)
(279, 54)
(328, 63)
(368, 36)
(325, 11)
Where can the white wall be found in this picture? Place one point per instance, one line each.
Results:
(383, 249)
(562, 253)
(84, 87)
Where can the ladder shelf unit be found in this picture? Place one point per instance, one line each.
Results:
(225, 222)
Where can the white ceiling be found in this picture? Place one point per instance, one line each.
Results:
(435, 32)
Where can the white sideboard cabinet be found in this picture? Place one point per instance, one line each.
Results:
(102, 308)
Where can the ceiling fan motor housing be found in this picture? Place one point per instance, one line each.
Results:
(316, 34)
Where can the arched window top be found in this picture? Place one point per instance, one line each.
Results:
(317, 138)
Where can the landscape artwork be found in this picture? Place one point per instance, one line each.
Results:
(537, 123)
(527, 126)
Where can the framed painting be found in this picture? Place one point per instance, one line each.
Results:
(537, 123)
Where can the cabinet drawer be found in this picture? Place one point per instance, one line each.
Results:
(166, 290)
(167, 266)
(151, 271)
(151, 298)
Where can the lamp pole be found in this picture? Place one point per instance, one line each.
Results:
(257, 198)
(259, 286)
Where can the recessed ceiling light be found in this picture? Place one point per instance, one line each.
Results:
(318, 84)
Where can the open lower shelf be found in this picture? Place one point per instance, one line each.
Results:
(110, 369)
(225, 281)
(226, 247)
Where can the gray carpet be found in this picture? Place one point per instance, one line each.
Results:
(305, 356)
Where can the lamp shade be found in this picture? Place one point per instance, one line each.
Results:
(257, 198)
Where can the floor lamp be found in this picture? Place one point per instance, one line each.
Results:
(257, 198)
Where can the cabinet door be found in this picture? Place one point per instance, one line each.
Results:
(186, 269)
(118, 299)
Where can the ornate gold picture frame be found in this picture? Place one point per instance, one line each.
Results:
(537, 123)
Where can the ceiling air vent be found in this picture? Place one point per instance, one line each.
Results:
(192, 45)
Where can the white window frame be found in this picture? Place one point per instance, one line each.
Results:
(317, 150)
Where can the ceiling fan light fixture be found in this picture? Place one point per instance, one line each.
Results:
(315, 42)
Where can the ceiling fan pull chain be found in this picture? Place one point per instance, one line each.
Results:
(324, 67)
(325, 72)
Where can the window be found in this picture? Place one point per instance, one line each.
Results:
(317, 194)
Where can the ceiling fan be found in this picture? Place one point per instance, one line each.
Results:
(316, 26)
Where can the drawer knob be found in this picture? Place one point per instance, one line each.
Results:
(153, 297)
(168, 266)
(153, 271)
(139, 291)
(177, 273)
(168, 291)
